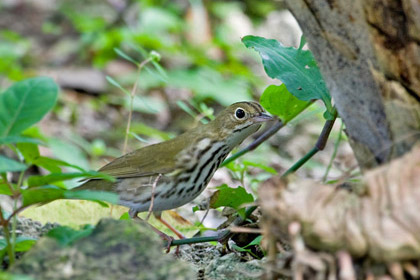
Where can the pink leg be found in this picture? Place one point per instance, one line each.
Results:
(171, 228)
(169, 239)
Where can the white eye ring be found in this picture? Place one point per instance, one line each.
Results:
(240, 113)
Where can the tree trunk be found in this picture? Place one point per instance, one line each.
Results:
(369, 54)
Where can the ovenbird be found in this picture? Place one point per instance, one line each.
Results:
(174, 172)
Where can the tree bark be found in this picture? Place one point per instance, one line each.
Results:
(369, 54)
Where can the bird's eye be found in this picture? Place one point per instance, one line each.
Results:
(240, 113)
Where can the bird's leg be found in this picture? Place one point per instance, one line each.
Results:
(169, 239)
(158, 216)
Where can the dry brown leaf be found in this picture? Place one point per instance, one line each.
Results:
(383, 224)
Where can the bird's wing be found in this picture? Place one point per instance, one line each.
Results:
(150, 160)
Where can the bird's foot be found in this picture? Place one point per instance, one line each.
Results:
(167, 238)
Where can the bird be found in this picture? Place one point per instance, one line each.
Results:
(169, 174)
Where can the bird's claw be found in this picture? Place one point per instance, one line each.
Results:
(169, 240)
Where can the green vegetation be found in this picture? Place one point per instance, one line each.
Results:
(164, 73)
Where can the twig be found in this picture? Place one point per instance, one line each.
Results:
(5, 224)
(14, 220)
(152, 199)
(346, 266)
(263, 137)
(337, 143)
(17, 211)
(319, 146)
(236, 229)
(205, 216)
(132, 94)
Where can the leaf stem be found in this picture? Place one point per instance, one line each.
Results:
(319, 146)
(192, 240)
(263, 137)
(9, 247)
(132, 95)
(336, 145)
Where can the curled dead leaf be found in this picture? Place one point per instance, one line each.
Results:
(383, 224)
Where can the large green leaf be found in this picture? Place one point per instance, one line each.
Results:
(277, 100)
(24, 243)
(40, 180)
(68, 152)
(296, 68)
(67, 235)
(10, 165)
(231, 197)
(18, 139)
(5, 188)
(31, 154)
(29, 151)
(25, 103)
(10, 276)
(46, 194)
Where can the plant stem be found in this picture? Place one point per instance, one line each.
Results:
(336, 145)
(319, 146)
(300, 162)
(5, 225)
(132, 95)
(194, 240)
(263, 137)
(14, 219)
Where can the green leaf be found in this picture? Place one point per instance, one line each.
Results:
(49, 164)
(113, 82)
(240, 249)
(31, 154)
(68, 152)
(3, 244)
(10, 165)
(24, 243)
(277, 100)
(259, 165)
(125, 56)
(25, 103)
(66, 235)
(39, 180)
(46, 194)
(328, 115)
(98, 196)
(54, 165)
(35, 132)
(19, 139)
(125, 216)
(41, 195)
(29, 151)
(302, 42)
(296, 68)
(10, 276)
(195, 209)
(256, 241)
(231, 197)
(4, 189)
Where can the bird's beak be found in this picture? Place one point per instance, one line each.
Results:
(263, 117)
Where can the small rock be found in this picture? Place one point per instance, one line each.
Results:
(231, 267)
